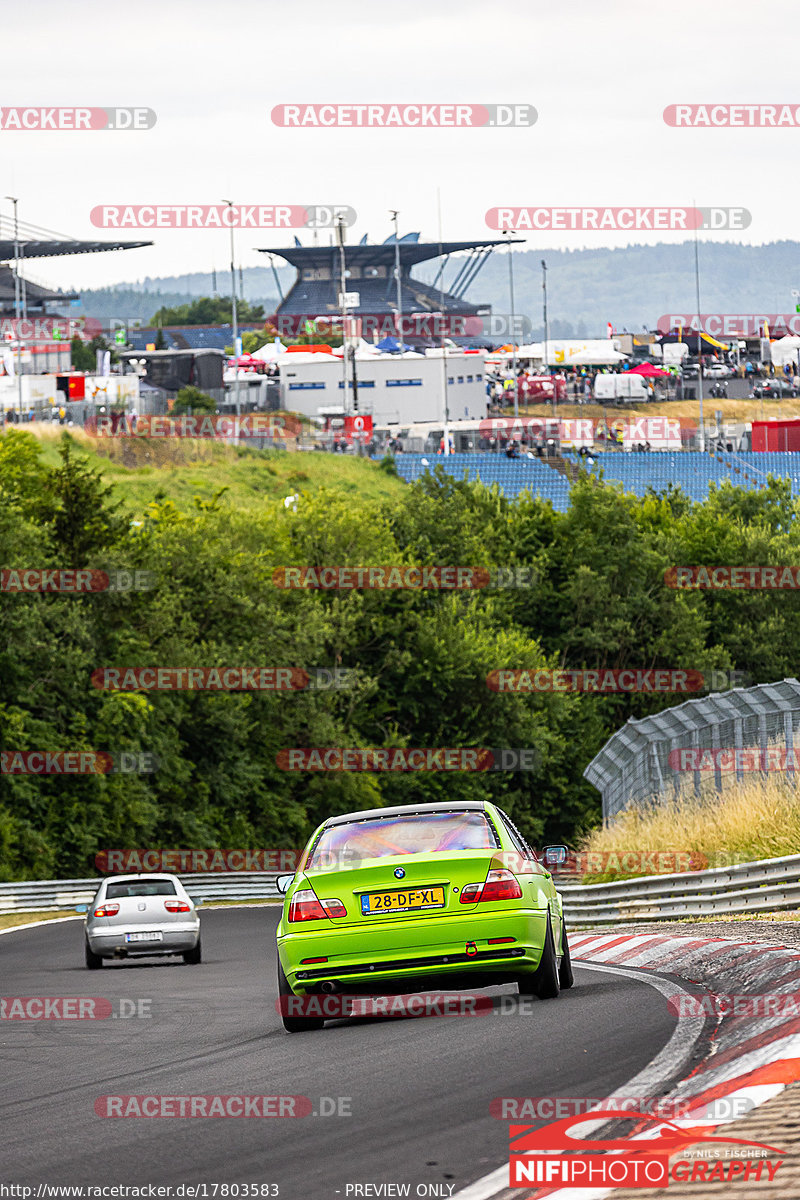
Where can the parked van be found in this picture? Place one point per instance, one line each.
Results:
(622, 387)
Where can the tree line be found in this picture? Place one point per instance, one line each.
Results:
(415, 663)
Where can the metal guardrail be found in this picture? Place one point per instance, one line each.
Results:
(768, 885)
(48, 894)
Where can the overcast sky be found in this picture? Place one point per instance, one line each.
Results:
(599, 75)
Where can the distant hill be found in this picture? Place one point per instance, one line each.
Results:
(631, 287)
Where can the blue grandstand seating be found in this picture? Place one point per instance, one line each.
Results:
(693, 471)
(689, 470)
(513, 475)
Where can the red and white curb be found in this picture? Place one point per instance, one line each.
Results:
(753, 1058)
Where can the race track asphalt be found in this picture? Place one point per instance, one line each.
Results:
(417, 1089)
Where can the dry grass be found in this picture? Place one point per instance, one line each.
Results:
(10, 920)
(687, 411)
(48, 431)
(758, 818)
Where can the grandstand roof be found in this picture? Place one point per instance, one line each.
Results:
(366, 255)
(34, 293)
(54, 248)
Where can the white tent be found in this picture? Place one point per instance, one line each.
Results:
(785, 350)
(270, 351)
(305, 356)
(568, 352)
(594, 358)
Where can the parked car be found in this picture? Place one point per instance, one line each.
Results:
(718, 370)
(774, 389)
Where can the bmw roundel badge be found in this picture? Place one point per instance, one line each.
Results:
(399, 873)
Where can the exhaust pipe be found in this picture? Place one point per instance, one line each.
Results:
(328, 988)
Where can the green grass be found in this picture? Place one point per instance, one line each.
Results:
(180, 469)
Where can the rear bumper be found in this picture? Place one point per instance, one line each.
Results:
(175, 940)
(366, 957)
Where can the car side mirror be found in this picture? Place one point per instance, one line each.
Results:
(283, 883)
(81, 908)
(554, 856)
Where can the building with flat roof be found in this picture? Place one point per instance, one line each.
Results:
(392, 388)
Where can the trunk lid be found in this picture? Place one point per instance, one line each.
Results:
(431, 883)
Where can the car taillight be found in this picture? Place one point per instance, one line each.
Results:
(498, 885)
(107, 910)
(306, 907)
(177, 906)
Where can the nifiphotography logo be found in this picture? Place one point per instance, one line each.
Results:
(551, 1156)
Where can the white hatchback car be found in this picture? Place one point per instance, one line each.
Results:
(138, 916)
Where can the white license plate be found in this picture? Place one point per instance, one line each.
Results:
(144, 937)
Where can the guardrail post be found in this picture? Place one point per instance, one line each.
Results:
(715, 747)
(788, 734)
(695, 772)
(763, 736)
(738, 742)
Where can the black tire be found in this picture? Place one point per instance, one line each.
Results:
(93, 961)
(193, 957)
(543, 982)
(565, 976)
(295, 1024)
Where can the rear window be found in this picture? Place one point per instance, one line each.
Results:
(387, 837)
(153, 887)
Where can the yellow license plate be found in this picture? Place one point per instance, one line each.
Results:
(406, 901)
